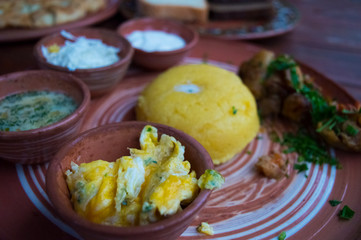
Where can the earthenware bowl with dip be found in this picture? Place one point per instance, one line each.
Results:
(40, 144)
(108, 143)
(159, 60)
(100, 80)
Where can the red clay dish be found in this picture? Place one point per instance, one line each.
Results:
(160, 60)
(108, 143)
(99, 80)
(41, 144)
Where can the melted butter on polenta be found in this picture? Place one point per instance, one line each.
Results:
(152, 183)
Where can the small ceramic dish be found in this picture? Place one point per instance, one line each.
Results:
(160, 60)
(108, 143)
(99, 80)
(41, 144)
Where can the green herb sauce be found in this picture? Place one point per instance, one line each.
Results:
(35, 109)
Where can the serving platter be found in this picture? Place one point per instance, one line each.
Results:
(248, 206)
(284, 20)
(20, 34)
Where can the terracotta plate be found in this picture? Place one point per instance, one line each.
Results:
(285, 19)
(248, 206)
(19, 34)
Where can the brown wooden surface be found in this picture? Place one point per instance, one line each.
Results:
(328, 38)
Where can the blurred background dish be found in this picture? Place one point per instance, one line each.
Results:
(99, 80)
(251, 20)
(109, 143)
(159, 59)
(40, 144)
(25, 33)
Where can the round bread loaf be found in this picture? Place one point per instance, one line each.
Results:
(207, 102)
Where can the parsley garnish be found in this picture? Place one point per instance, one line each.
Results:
(346, 213)
(283, 62)
(282, 236)
(147, 207)
(249, 152)
(334, 203)
(300, 167)
(308, 149)
(350, 130)
(149, 161)
(234, 110)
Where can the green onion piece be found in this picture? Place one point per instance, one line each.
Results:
(334, 203)
(282, 236)
(300, 167)
(350, 130)
(346, 213)
(234, 110)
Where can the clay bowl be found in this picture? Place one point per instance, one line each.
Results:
(99, 80)
(109, 142)
(41, 144)
(159, 60)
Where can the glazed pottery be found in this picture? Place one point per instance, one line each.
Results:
(40, 145)
(109, 142)
(161, 59)
(99, 80)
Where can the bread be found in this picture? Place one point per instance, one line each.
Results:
(208, 103)
(195, 11)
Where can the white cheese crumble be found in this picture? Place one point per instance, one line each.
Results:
(155, 41)
(187, 88)
(82, 53)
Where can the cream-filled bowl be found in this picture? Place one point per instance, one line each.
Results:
(150, 57)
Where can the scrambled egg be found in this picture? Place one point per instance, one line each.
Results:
(211, 179)
(150, 184)
(205, 228)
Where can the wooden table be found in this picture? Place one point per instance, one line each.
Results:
(328, 38)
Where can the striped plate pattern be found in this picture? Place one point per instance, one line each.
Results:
(248, 206)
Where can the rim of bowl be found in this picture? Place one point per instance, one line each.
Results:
(52, 127)
(188, 46)
(75, 219)
(40, 57)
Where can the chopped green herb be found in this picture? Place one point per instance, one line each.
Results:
(308, 149)
(259, 137)
(234, 110)
(149, 161)
(282, 236)
(352, 131)
(345, 111)
(346, 213)
(249, 152)
(300, 167)
(34, 109)
(149, 129)
(125, 203)
(274, 137)
(147, 207)
(334, 203)
(282, 62)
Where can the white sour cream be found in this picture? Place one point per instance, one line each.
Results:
(187, 88)
(82, 53)
(155, 41)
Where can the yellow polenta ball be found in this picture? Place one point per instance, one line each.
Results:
(207, 102)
